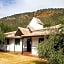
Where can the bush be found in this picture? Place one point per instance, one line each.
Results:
(45, 47)
(56, 58)
(53, 49)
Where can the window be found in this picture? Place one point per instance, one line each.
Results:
(7, 41)
(41, 39)
(17, 41)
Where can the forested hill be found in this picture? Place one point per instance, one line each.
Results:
(48, 17)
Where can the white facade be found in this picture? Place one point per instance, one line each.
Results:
(12, 47)
(35, 45)
(25, 44)
(18, 48)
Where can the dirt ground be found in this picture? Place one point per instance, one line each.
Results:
(12, 58)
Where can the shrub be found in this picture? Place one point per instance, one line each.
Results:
(53, 49)
(45, 47)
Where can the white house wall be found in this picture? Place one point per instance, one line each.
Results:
(35, 41)
(13, 47)
(19, 47)
(34, 45)
(34, 50)
(10, 47)
(25, 44)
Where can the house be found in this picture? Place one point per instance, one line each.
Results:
(27, 39)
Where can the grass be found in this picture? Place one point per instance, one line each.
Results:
(10, 58)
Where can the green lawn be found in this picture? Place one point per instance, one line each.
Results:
(10, 58)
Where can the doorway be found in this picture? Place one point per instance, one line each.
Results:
(29, 45)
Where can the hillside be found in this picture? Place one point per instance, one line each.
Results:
(48, 17)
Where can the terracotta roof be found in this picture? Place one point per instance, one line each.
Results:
(44, 31)
(54, 27)
(50, 28)
(40, 33)
(12, 36)
(27, 33)
(30, 28)
(10, 33)
(24, 30)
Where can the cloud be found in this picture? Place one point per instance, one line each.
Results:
(10, 7)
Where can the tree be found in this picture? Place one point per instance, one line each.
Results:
(2, 37)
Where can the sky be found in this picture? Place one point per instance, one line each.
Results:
(11, 7)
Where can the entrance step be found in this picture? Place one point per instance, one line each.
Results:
(29, 54)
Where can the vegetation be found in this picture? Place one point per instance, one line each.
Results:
(52, 49)
(2, 37)
(49, 17)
